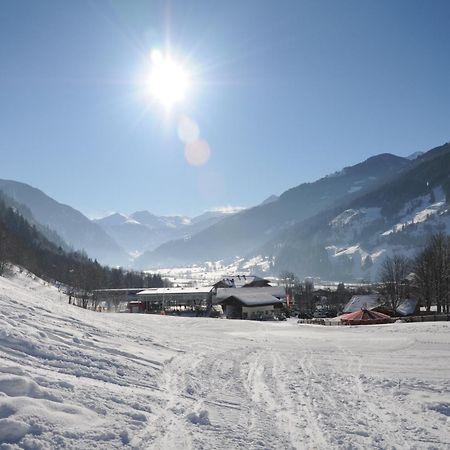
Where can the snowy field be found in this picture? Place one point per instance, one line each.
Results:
(71, 378)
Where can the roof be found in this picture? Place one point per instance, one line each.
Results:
(273, 291)
(130, 290)
(238, 281)
(251, 298)
(177, 291)
(357, 302)
(365, 316)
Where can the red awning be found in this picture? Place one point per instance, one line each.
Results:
(365, 317)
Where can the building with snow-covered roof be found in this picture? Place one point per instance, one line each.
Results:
(262, 303)
(155, 299)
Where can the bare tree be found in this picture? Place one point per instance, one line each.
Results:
(432, 273)
(393, 276)
(308, 290)
(423, 278)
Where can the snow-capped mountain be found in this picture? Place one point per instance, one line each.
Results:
(351, 241)
(143, 231)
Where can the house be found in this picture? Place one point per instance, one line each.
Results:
(263, 303)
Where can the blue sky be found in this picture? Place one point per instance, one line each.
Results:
(284, 92)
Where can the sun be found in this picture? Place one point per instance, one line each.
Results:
(168, 81)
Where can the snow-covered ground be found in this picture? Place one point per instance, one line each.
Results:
(71, 378)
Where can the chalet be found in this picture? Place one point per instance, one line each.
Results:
(257, 303)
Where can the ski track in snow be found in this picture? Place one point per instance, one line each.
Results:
(71, 378)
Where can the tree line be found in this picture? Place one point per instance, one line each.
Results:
(21, 243)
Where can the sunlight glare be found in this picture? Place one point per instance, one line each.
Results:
(168, 81)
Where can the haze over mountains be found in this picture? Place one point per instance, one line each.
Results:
(143, 231)
(248, 230)
(338, 227)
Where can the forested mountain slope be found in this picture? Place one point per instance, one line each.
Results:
(75, 228)
(351, 240)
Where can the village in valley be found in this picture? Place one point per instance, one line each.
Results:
(403, 294)
(255, 298)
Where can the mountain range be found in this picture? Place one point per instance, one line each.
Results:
(248, 230)
(143, 231)
(338, 227)
(351, 240)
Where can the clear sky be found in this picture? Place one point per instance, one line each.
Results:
(283, 92)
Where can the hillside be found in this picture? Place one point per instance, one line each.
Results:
(73, 227)
(26, 213)
(22, 243)
(350, 241)
(248, 230)
(73, 378)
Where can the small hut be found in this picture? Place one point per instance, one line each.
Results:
(364, 317)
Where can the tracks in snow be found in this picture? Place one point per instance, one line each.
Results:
(265, 397)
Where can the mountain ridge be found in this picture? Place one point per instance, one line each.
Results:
(351, 240)
(251, 228)
(143, 230)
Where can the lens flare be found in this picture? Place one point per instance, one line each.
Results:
(197, 152)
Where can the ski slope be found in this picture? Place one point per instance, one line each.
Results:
(71, 378)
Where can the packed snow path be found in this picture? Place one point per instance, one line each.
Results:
(71, 378)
